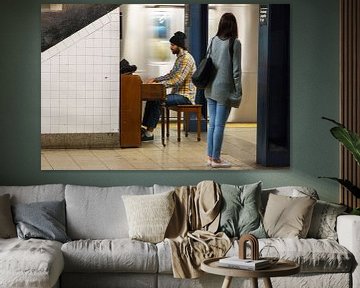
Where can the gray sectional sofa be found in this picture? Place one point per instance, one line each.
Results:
(100, 253)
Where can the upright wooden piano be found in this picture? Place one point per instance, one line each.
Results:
(132, 93)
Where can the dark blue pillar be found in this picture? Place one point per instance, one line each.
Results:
(196, 27)
(273, 129)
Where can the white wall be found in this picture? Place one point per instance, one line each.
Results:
(80, 80)
(140, 44)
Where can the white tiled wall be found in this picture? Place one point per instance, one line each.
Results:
(80, 80)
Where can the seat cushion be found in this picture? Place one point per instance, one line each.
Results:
(116, 255)
(313, 255)
(30, 263)
(108, 280)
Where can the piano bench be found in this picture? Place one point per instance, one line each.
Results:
(186, 109)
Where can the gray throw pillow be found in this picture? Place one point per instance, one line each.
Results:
(240, 212)
(7, 226)
(44, 220)
(323, 222)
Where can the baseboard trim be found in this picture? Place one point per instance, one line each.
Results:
(80, 140)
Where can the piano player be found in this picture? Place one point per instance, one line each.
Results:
(179, 79)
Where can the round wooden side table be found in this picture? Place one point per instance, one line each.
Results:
(281, 268)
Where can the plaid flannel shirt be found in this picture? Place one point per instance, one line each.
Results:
(179, 78)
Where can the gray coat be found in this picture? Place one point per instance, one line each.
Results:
(225, 88)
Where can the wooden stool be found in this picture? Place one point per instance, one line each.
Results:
(196, 108)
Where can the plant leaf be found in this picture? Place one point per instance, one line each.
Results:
(348, 138)
(355, 211)
(335, 122)
(347, 184)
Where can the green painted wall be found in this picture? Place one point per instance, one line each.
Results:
(314, 93)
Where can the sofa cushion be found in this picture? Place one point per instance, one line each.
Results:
(30, 263)
(287, 216)
(240, 210)
(109, 280)
(116, 255)
(148, 215)
(323, 222)
(7, 226)
(44, 220)
(291, 191)
(163, 188)
(98, 213)
(313, 255)
(34, 193)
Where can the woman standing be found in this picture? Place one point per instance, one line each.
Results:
(225, 90)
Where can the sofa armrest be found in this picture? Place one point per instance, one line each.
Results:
(348, 230)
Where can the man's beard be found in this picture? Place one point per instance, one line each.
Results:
(175, 51)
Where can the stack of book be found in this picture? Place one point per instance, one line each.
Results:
(236, 262)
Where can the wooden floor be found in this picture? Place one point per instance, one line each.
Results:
(239, 148)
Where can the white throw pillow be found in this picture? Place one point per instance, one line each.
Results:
(149, 215)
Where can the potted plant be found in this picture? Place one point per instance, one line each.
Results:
(351, 141)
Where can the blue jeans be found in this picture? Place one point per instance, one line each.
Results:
(218, 115)
(152, 108)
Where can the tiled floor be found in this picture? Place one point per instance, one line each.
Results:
(239, 148)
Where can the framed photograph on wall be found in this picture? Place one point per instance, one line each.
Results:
(96, 60)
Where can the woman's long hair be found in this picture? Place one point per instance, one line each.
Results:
(227, 27)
